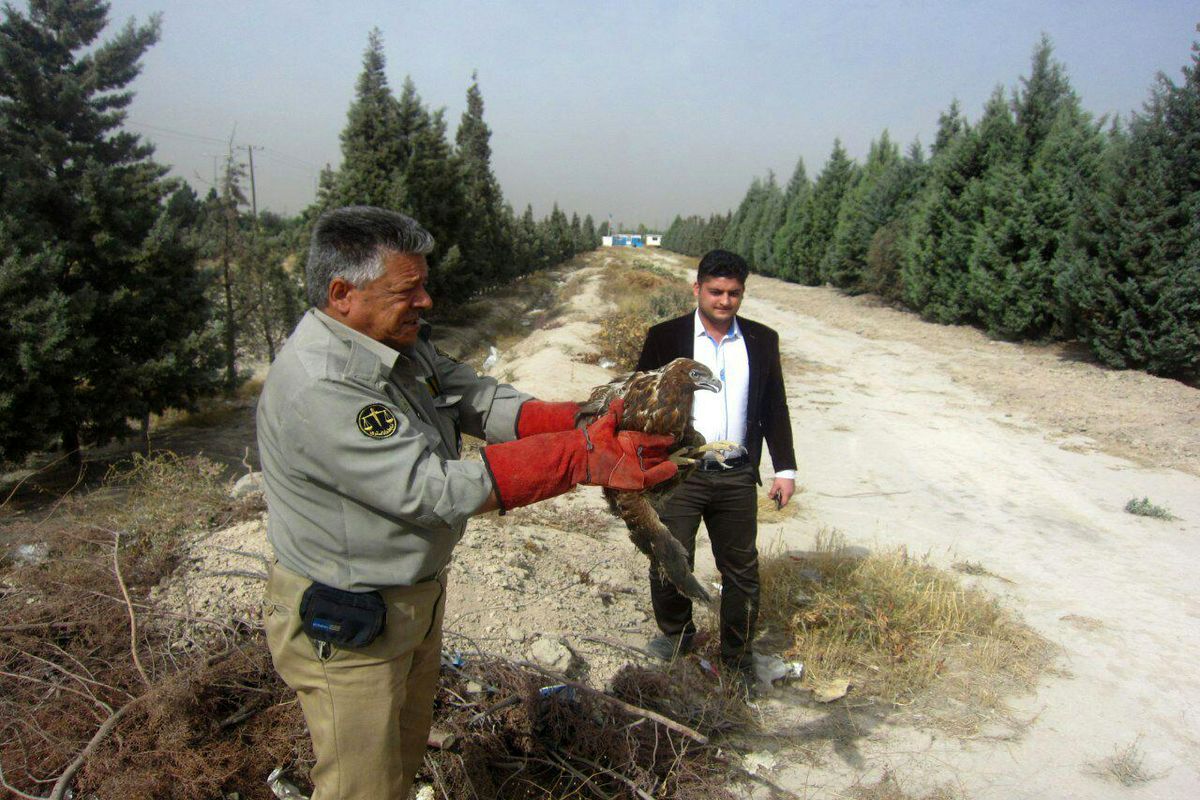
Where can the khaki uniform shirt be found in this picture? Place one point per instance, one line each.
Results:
(359, 446)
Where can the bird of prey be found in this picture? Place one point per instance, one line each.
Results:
(658, 402)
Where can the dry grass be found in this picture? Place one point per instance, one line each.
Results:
(889, 788)
(1126, 765)
(768, 514)
(644, 294)
(975, 568)
(900, 630)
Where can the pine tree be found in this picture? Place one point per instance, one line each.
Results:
(1134, 282)
(487, 241)
(103, 304)
(430, 190)
(796, 199)
(762, 255)
(1032, 202)
(945, 221)
(866, 208)
(817, 225)
(373, 139)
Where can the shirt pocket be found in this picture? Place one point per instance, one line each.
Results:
(448, 412)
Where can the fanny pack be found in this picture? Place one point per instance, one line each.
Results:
(341, 618)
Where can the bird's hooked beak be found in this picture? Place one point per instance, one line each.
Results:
(710, 384)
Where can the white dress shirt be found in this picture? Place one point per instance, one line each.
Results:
(721, 416)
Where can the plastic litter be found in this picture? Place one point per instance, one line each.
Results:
(282, 788)
(567, 692)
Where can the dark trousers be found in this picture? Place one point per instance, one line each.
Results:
(728, 504)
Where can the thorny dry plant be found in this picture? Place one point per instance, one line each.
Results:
(888, 787)
(1126, 765)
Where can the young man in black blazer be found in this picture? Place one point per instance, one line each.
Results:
(751, 407)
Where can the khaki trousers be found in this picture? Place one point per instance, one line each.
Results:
(368, 710)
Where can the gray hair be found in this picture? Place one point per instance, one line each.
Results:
(351, 243)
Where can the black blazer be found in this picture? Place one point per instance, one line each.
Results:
(766, 403)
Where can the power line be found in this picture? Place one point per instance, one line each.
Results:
(274, 152)
(184, 134)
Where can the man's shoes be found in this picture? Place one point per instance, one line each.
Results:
(668, 647)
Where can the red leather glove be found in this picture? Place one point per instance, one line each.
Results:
(546, 465)
(535, 416)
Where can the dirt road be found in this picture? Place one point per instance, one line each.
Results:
(1019, 459)
(937, 439)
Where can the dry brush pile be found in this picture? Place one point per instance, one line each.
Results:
(103, 692)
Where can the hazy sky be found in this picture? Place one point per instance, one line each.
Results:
(638, 110)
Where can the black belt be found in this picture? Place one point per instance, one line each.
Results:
(713, 465)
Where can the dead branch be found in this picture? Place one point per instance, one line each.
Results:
(619, 645)
(637, 711)
(137, 662)
(63, 781)
(622, 778)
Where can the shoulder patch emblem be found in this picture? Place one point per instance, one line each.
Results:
(377, 421)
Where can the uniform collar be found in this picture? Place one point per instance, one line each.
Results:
(386, 355)
(735, 331)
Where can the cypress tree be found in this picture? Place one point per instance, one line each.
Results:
(945, 219)
(739, 236)
(817, 225)
(1134, 282)
(590, 240)
(487, 243)
(92, 268)
(867, 207)
(577, 242)
(372, 141)
(951, 125)
(768, 224)
(1032, 201)
(796, 199)
(881, 274)
(429, 188)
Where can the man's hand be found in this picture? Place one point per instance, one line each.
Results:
(781, 491)
(545, 465)
(625, 460)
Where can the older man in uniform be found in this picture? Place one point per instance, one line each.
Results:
(359, 433)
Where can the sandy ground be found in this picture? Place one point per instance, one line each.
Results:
(940, 440)
(932, 437)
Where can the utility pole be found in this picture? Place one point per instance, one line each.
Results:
(253, 195)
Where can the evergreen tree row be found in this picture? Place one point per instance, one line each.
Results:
(1035, 222)
(125, 294)
(396, 154)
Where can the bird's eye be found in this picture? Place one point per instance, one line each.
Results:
(694, 373)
